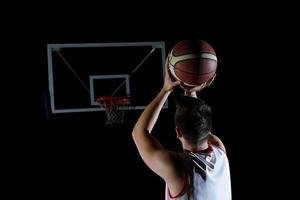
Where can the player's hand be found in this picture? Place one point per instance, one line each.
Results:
(189, 91)
(169, 84)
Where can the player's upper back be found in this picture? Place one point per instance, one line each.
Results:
(207, 176)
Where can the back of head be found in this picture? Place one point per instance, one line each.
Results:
(194, 118)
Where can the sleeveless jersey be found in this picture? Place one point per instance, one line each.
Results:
(207, 176)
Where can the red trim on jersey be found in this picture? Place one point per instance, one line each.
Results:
(183, 190)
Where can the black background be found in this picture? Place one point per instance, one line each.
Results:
(78, 156)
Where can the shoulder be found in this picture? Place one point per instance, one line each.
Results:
(218, 149)
(219, 153)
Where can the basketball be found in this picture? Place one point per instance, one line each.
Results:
(192, 62)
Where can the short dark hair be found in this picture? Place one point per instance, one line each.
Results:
(194, 118)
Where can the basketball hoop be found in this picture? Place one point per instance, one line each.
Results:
(114, 107)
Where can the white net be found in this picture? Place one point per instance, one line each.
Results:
(115, 116)
(114, 108)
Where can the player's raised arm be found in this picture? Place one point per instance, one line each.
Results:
(150, 149)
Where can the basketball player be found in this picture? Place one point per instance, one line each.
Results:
(201, 171)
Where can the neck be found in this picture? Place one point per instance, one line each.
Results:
(189, 147)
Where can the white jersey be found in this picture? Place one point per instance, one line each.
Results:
(207, 174)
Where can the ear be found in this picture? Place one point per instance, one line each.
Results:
(178, 132)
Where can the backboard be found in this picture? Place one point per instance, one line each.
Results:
(79, 73)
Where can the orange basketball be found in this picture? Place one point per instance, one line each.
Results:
(193, 62)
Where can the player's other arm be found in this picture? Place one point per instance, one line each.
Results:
(215, 140)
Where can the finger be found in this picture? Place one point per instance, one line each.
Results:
(167, 60)
(198, 88)
(176, 83)
(211, 80)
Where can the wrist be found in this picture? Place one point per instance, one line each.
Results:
(166, 90)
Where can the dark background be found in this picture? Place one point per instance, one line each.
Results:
(77, 155)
